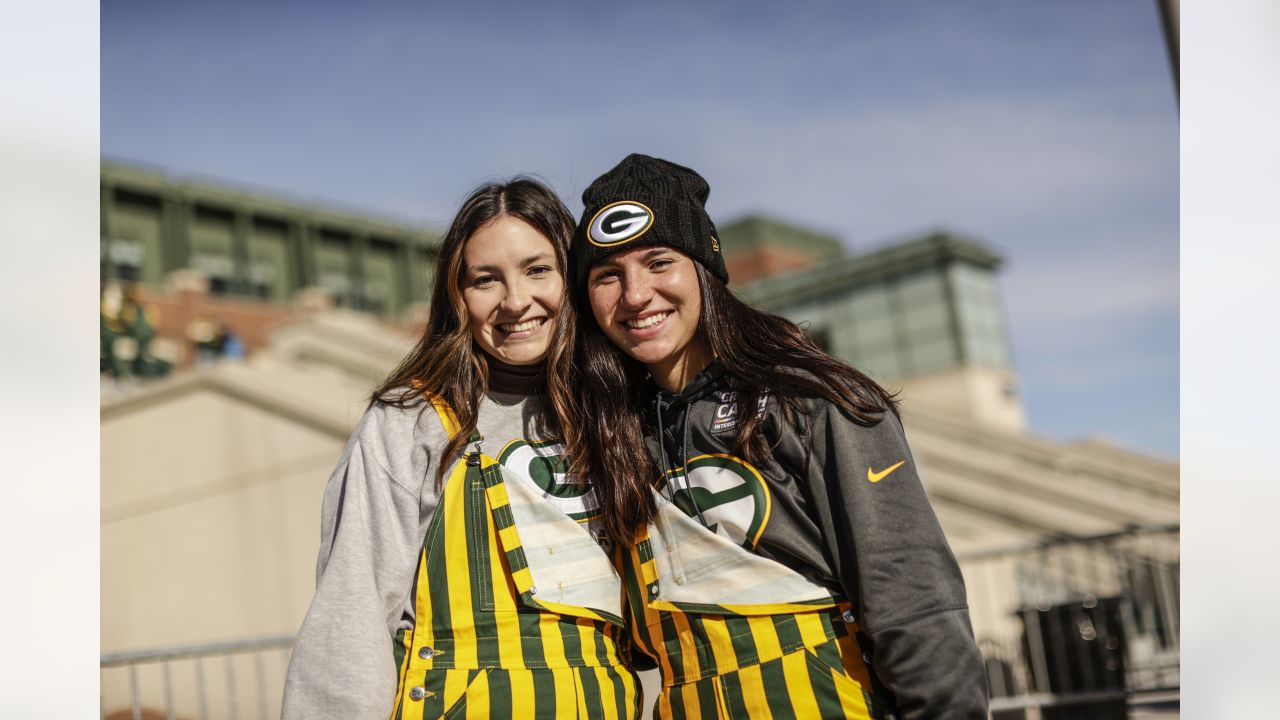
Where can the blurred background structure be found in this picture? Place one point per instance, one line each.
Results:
(243, 328)
(212, 475)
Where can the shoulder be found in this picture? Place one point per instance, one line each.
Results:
(806, 391)
(402, 439)
(841, 439)
(387, 421)
(884, 417)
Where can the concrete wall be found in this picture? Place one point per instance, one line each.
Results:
(210, 526)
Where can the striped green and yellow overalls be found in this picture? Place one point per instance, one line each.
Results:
(737, 635)
(517, 608)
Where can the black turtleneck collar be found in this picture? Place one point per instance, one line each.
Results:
(516, 379)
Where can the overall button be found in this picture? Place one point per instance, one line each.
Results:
(848, 616)
(866, 658)
(417, 693)
(426, 652)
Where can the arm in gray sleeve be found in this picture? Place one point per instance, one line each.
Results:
(897, 568)
(376, 508)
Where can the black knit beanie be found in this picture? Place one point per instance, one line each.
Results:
(646, 201)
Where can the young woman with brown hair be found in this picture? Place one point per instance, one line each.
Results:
(778, 552)
(458, 570)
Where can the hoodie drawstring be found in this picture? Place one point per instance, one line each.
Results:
(662, 448)
(684, 453)
(667, 466)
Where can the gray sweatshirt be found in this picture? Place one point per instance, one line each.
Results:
(377, 506)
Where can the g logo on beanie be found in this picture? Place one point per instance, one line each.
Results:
(618, 223)
(647, 201)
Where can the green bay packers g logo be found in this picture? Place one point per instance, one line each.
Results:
(618, 223)
(540, 464)
(730, 493)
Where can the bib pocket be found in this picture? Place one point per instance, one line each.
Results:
(554, 562)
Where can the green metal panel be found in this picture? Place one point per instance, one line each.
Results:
(175, 210)
(333, 266)
(383, 284)
(408, 275)
(213, 228)
(240, 249)
(106, 201)
(212, 249)
(304, 235)
(136, 238)
(270, 270)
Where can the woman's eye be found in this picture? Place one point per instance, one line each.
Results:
(660, 264)
(605, 276)
(540, 270)
(483, 281)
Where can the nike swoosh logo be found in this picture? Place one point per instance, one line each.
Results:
(876, 477)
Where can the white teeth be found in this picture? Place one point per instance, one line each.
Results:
(522, 326)
(647, 322)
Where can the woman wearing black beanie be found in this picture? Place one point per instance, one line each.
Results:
(779, 555)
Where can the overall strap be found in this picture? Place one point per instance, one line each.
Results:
(447, 417)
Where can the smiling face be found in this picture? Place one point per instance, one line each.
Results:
(648, 302)
(512, 288)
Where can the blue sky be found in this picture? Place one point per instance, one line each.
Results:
(1047, 130)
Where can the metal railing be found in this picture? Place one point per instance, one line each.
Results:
(1068, 623)
(178, 680)
(1090, 622)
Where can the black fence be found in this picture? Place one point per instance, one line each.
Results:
(1080, 627)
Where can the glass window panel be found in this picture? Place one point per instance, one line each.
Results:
(980, 316)
(868, 304)
(880, 366)
(921, 288)
(926, 321)
(873, 332)
(930, 356)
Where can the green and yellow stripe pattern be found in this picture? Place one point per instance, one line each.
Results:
(482, 645)
(719, 660)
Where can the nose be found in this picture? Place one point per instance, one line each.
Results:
(517, 298)
(636, 291)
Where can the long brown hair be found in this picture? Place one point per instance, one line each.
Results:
(447, 362)
(762, 353)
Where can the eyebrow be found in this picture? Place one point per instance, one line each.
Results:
(535, 258)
